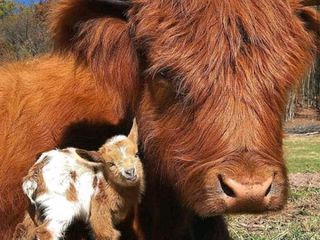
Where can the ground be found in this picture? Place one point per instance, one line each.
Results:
(306, 121)
(300, 220)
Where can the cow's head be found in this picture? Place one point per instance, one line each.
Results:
(210, 88)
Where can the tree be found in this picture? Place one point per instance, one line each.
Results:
(7, 7)
(23, 32)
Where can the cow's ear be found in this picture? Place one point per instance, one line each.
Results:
(97, 35)
(309, 15)
(311, 18)
(117, 3)
(66, 17)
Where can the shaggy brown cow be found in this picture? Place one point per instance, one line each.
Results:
(215, 76)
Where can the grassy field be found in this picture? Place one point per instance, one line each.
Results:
(300, 220)
(303, 154)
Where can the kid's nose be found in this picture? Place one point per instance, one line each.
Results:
(130, 174)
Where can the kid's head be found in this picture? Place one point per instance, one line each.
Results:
(119, 158)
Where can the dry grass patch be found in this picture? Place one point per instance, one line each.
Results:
(300, 220)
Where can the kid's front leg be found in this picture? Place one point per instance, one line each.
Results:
(25, 230)
(101, 222)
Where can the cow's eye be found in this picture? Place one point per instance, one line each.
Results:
(173, 80)
(165, 74)
(181, 92)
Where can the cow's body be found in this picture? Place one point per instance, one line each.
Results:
(47, 103)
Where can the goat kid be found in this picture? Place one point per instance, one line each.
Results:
(99, 188)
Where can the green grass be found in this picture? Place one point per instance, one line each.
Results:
(302, 154)
(300, 220)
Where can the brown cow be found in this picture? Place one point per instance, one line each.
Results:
(215, 78)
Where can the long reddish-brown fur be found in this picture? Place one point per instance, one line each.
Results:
(215, 77)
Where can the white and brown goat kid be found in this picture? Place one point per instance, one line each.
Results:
(99, 188)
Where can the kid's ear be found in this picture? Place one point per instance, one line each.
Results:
(91, 156)
(133, 135)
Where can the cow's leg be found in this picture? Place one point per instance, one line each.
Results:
(213, 228)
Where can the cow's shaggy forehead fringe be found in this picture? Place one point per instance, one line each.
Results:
(232, 43)
(236, 61)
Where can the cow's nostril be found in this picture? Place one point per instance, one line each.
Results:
(225, 188)
(249, 193)
(268, 190)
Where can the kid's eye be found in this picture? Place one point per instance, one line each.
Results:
(137, 155)
(111, 164)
